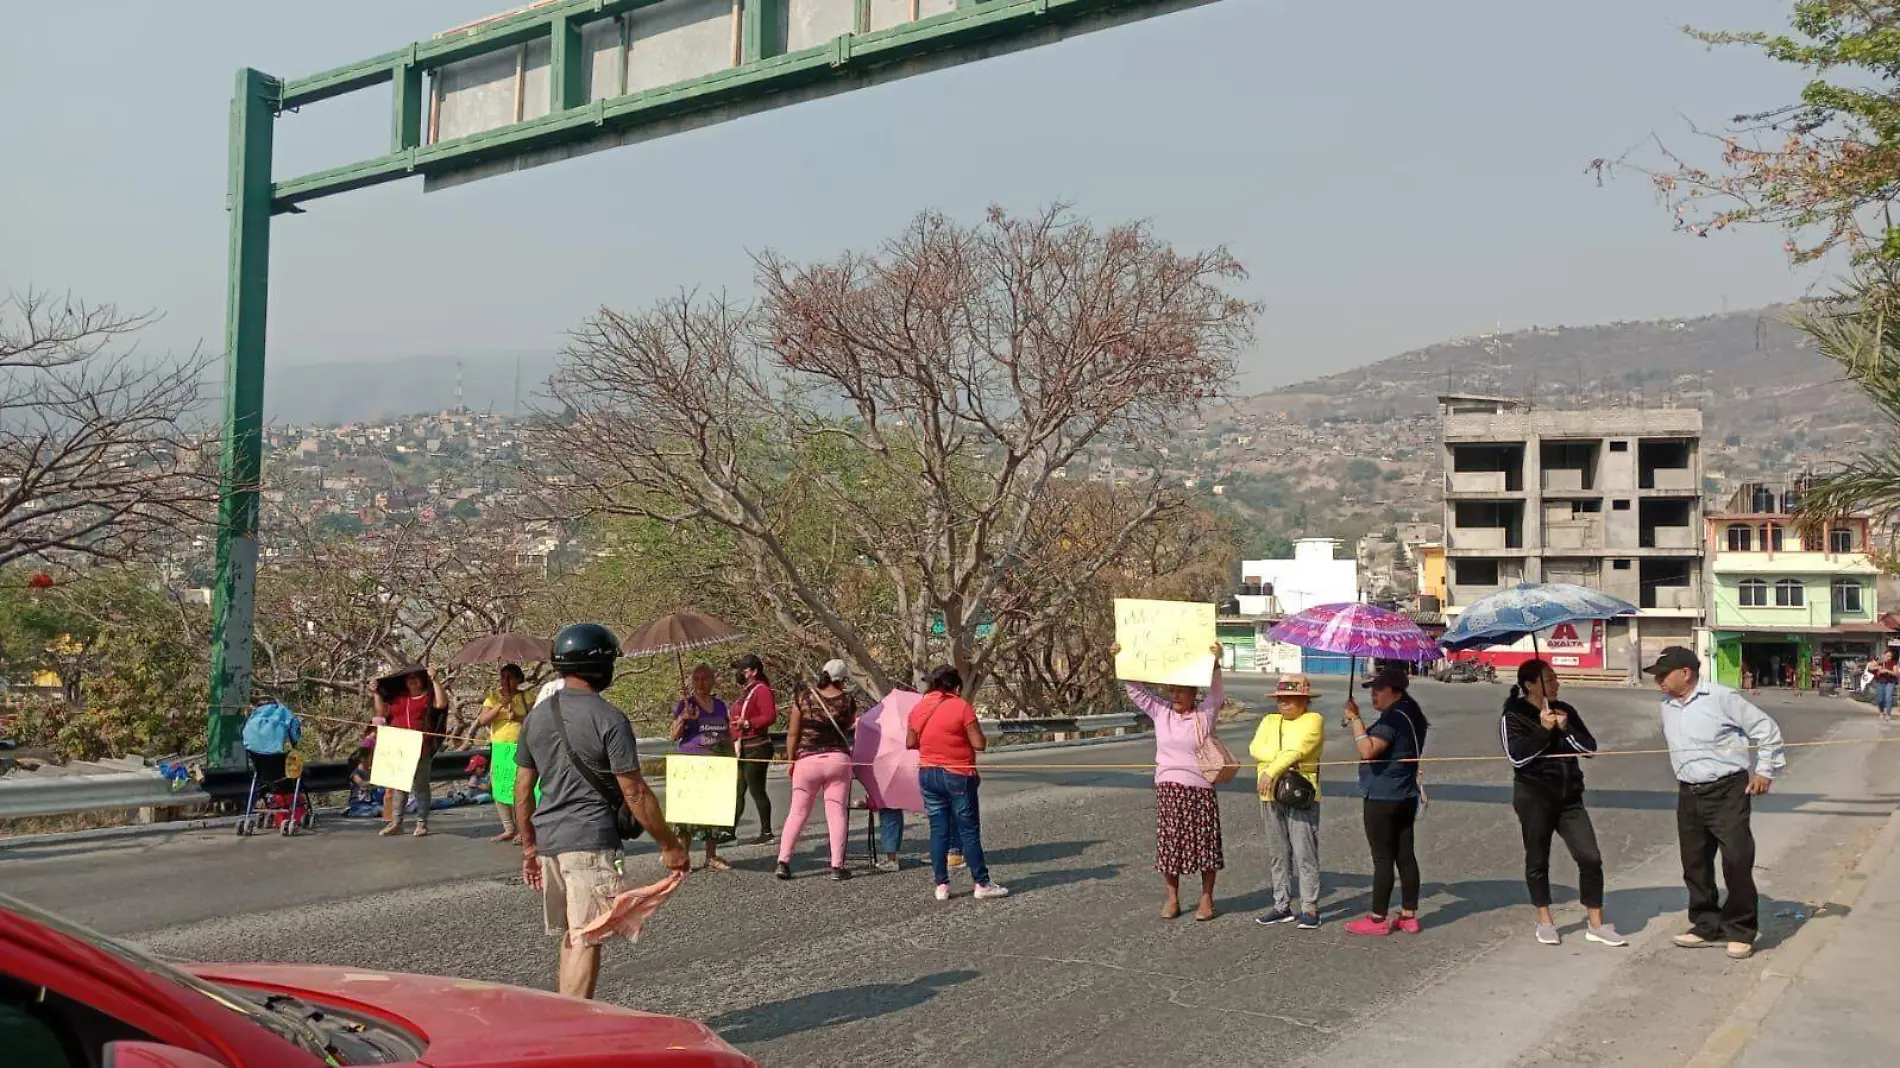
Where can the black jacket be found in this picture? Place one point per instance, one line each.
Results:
(1547, 760)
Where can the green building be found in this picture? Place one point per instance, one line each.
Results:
(1787, 608)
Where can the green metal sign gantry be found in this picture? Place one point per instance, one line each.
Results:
(883, 40)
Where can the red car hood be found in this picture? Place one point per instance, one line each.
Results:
(471, 1024)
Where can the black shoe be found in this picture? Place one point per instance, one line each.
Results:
(784, 870)
(839, 875)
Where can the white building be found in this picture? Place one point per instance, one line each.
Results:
(1312, 577)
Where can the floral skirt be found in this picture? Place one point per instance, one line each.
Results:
(1187, 830)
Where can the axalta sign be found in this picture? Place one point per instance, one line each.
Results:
(1566, 645)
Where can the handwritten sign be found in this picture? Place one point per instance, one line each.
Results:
(702, 790)
(1168, 643)
(398, 753)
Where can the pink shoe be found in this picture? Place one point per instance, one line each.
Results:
(1408, 924)
(1372, 926)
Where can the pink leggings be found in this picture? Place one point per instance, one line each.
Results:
(827, 773)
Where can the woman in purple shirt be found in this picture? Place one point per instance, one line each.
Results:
(1187, 814)
(703, 727)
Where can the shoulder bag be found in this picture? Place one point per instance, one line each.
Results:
(624, 823)
(1418, 769)
(1218, 765)
(1292, 789)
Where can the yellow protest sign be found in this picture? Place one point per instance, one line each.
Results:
(702, 790)
(1168, 643)
(398, 752)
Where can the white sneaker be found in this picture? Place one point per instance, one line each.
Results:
(943, 891)
(1605, 935)
(1547, 934)
(991, 890)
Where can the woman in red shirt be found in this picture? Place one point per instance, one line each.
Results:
(944, 731)
(410, 699)
(753, 715)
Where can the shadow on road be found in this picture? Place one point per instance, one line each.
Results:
(1042, 880)
(793, 1016)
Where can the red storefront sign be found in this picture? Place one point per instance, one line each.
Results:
(1566, 645)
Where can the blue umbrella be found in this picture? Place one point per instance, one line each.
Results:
(1526, 609)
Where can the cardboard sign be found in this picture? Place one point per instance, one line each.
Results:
(1167, 643)
(398, 753)
(702, 790)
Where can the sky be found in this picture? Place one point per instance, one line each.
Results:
(1391, 174)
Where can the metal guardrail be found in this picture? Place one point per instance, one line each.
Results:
(62, 794)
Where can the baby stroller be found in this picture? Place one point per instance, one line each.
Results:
(276, 799)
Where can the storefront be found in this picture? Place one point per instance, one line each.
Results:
(1765, 659)
(1237, 646)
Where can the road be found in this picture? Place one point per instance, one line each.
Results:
(1077, 967)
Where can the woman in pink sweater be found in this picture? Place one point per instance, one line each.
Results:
(1187, 814)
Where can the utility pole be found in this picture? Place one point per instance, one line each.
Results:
(241, 462)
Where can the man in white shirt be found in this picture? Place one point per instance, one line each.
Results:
(1711, 730)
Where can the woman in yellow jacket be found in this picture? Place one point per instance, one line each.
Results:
(1289, 742)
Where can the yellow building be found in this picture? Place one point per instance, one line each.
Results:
(1431, 570)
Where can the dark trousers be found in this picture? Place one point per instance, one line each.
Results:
(1711, 818)
(1389, 833)
(1541, 813)
(752, 780)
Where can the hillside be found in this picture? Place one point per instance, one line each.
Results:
(1357, 452)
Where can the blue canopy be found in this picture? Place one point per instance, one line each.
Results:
(1508, 615)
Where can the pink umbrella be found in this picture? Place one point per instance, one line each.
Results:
(885, 766)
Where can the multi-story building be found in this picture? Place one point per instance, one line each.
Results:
(1609, 499)
(1787, 606)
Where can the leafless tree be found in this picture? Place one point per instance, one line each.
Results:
(98, 449)
(336, 613)
(924, 397)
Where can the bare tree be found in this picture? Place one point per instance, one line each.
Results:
(926, 397)
(335, 613)
(97, 450)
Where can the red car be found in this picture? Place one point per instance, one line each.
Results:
(70, 998)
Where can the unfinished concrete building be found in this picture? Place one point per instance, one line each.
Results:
(1607, 498)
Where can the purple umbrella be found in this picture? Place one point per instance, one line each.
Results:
(1356, 630)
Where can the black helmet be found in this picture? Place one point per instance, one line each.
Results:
(588, 650)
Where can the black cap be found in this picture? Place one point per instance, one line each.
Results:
(1673, 657)
(1394, 679)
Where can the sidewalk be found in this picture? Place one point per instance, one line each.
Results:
(1836, 1005)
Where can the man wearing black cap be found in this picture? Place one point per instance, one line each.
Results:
(1710, 730)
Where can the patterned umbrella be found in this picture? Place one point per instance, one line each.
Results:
(1356, 630)
(1526, 609)
(679, 634)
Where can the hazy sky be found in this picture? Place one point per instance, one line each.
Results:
(1393, 174)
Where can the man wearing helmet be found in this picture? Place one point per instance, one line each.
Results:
(580, 750)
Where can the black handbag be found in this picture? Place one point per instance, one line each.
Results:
(1293, 790)
(624, 823)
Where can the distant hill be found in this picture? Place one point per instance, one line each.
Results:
(1753, 375)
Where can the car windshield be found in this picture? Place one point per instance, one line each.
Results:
(287, 1028)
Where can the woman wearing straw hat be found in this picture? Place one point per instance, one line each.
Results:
(1287, 746)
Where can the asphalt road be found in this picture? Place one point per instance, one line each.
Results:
(1077, 967)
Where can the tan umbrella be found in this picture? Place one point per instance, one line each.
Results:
(678, 633)
(513, 647)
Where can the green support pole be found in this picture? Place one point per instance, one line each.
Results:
(567, 69)
(761, 37)
(253, 112)
(405, 124)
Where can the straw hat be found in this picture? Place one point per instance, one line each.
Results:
(1293, 686)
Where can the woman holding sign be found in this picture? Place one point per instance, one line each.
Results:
(702, 727)
(1187, 813)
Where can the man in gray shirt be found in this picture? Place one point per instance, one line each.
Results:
(1711, 731)
(580, 751)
